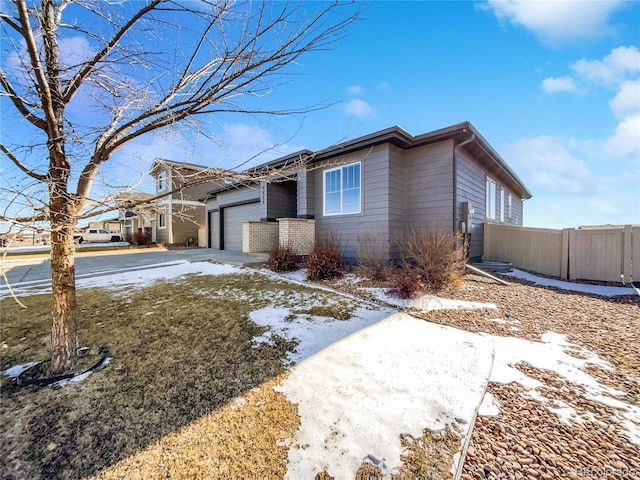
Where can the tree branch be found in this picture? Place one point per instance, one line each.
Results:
(20, 165)
(89, 67)
(32, 49)
(20, 104)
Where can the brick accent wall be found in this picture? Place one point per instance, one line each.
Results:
(259, 236)
(297, 233)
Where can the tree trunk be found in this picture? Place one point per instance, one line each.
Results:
(64, 343)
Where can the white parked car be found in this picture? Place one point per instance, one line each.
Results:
(96, 235)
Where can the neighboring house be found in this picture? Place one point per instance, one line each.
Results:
(180, 218)
(135, 216)
(111, 225)
(382, 185)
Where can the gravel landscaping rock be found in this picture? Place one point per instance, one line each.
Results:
(527, 440)
(564, 433)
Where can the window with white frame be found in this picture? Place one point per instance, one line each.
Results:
(162, 180)
(490, 199)
(509, 207)
(342, 190)
(503, 205)
(162, 219)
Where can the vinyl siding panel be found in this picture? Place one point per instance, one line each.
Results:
(236, 195)
(397, 198)
(374, 190)
(430, 186)
(185, 222)
(305, 195)
(471, 187)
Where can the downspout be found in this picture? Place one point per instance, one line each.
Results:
(455, 178)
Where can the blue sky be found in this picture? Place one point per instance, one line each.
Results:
(553, 86)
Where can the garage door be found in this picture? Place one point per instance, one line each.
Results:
(233, 218)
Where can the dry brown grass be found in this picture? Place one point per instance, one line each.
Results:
(181, 352)
(430, 456)
(228, 443)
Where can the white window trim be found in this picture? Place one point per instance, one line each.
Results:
(490, 201)
(324, 190)
(166, 218)
(502, 204)
(163, 180)
(510, 207)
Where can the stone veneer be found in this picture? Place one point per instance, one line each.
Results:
(297, 233)
(259, 236)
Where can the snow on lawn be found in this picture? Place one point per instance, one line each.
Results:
(397, 377)
(603, 290)
(312, 332)
(357, 395)
(17, 370)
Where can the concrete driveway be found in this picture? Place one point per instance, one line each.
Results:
(36, 270)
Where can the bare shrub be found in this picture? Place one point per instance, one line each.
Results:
(373, 256)
(139, 238)
(325, 260)
(282, 259)
(435, 255)
(406, 285)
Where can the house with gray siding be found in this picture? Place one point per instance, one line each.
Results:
(179, 217)
(382, 185)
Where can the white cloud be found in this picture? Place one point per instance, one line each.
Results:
(618, 70)
(606, 207)
(560, 20)
(625, 143)
(359, 108)
(621, 64)
(560, 84)
(242, 143)
(627, 101)
(355, 89)
(549, 166)
(570, 188)
(383, 85)
(236, 146)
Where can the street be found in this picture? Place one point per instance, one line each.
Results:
(36, 271)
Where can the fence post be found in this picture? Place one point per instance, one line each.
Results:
(564, 267)
(573, 258)
(626, 254)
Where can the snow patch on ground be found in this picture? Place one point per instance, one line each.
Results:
(81, 377)
(551, 354)
(489, 406)
(359, 395)
(313, 333)
(426, 302)
(603, 290)
(16, 370)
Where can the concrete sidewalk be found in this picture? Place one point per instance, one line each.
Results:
(35, 270)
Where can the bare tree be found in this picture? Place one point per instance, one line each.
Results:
(85, 78)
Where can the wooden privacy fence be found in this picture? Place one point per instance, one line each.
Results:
(604, 254)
